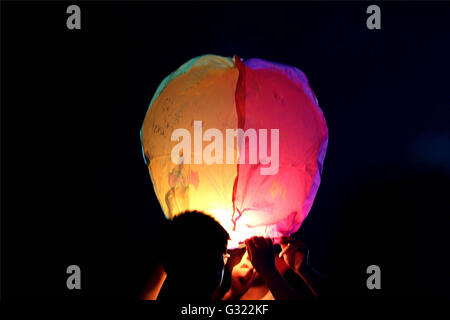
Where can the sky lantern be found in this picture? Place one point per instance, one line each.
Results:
(243, 141)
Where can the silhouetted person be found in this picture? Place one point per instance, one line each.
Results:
(195, 245)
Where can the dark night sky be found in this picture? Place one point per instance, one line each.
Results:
(75, 189)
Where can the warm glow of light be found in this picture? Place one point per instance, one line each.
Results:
(229, 94)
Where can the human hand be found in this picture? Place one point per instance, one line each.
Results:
(242, 277)
(261, 254)
(294, 252)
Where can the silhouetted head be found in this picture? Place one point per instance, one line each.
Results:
(195, 244)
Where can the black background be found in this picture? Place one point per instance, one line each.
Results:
(75, 189)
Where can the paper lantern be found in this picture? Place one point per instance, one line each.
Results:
(242, 141)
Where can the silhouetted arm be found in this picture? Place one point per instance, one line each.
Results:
(262, 256)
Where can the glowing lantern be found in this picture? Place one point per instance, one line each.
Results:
(241, 141)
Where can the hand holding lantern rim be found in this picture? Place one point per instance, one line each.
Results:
(294, 252)
(262, 256)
